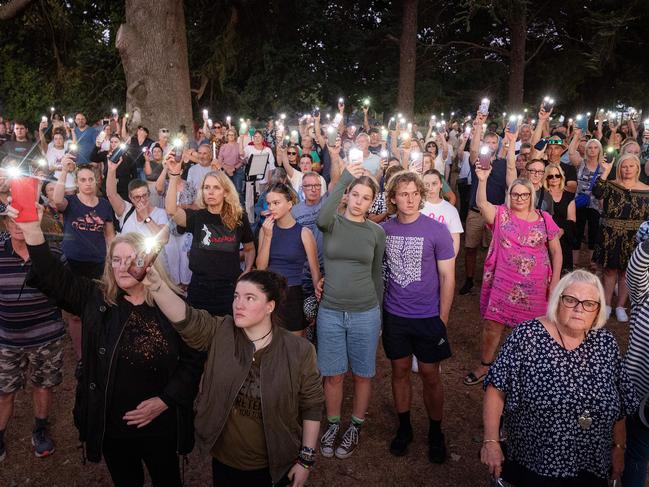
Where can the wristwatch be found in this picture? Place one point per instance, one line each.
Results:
(148, 219)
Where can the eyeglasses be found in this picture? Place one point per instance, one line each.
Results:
(572, 302)
(116, 262)
(520, 196)
(533, 171)
(292, 153)
(217, 126)
(312, 186)
(138, 197)
(553, 176)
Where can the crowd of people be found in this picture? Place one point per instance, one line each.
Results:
(219, 284)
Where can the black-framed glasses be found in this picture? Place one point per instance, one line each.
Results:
(138, 197)
(572, 302)
(553, 176)
(520, 196)
(534, 171)
(312, 186)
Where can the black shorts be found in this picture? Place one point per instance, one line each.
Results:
(425, 338)
(91, 270)
(291, 311)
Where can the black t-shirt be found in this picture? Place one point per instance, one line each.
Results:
(134, 151)
(570, 171)
(215, 249)
(142, 362)
(496, 184)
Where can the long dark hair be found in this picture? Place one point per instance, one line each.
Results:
(272, 285)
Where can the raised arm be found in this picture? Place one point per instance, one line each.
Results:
(575, 158)
(114, 198)
(328, 211)
(511, 174)
(265, 239)
(171, 206)
(487, 209)
(160, 182)
(318, 131)
(67, 166)
(366, 122)
(476, 139)
(538, 131)
(42, 142)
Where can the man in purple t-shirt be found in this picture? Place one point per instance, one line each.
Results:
(420, 281)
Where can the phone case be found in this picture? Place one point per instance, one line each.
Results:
(23, 198)
(138, 267)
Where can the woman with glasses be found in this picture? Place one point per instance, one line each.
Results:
(564, 210)
(535, 173)
(522, 265)
(153, 159)
(560, 385)
(295, 175)
(231, 160)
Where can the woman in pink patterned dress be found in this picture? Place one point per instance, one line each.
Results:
(522, 266)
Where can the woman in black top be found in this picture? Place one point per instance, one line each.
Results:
(565, 212)
(137, 379)
(219, 228)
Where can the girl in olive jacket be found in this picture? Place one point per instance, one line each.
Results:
(261, 401)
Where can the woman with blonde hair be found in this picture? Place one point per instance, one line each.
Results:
(564, 210)
(625, 203)
(219, 227)
(137, 379)
(522, 265)
(560, 385)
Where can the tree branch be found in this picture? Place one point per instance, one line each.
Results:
(480, 47)
(536, 51)
(13, 8)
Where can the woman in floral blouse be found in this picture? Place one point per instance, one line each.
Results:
(522, 265)
(563, 393)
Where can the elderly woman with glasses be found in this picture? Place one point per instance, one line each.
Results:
(565, 212)
(522, 265)
(560, 385)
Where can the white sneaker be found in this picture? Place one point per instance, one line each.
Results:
(415, 364)
(620, 314)
(608, 311)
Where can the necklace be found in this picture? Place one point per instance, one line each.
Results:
(584, 419)
(258, 339)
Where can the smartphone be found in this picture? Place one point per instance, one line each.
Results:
(141, 263)
(331, 136)
(484, 106)
(316, 112)
(513, 123)
(548, 103)
(105, 122)
(484, 159)
(646, 124)
(23, 198)
(101, 137)
(337, 119)
(117, 153)
(582, 123)
(72, 148)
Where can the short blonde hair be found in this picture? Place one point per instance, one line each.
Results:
(575, 277)
(635, 160)
(548, 168)
(108, 284)
(528, 185)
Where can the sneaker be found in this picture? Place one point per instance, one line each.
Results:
(328, 440)
(349, 442)
(437, 449)
(3, 450)
(43, 444)
(608, 311)
(466, 289)
(620, 314)
(399, 445)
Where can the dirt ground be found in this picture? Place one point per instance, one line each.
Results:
(371, 464)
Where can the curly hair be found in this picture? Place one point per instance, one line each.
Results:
(231, 211)
(403, 177)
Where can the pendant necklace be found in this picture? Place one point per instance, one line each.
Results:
(585, 420)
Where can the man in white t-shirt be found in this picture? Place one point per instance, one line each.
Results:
(205, 165)
(295, 176)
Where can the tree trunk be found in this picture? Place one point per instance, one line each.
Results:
(517, 21)
(13, 8)
(153, 47)
(408, 58)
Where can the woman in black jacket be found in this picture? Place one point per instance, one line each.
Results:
(137, 378)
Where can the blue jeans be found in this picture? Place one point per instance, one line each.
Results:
(348, 338)
(238, 179)
(637, 453)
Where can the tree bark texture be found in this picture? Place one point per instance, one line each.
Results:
(153, 47)
(408, 58)
(517, 22)
(13, 8)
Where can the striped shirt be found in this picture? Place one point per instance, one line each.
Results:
(28, 318)
(637, 280)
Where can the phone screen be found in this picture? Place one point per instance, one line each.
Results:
(23, 198)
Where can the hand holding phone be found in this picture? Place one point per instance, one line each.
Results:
(24, 192)
(144, 259)
(484, 159)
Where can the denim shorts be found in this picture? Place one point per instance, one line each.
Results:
(348, 339)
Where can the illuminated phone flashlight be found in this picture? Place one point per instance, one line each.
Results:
(610, 149)
(73, 147)
(122, 146)
(588, 114)
(52, 109)
(433, 117)
(43, 118)
(384, 133)
(402, 121)
(525, 110)
(282, 116)
(145, 150)
(484, 150)
(205, 113)
(328, 116)
(150, 244)
(399, 116)
(415, 155)
(330, 129)
(177, 143)
(366, 102)
(42, 162)
(392, 119)
(228, 118)
(70, 121)
(341, 100)
(409, 126)
(504, 114)
(383, 154)
(114, 110)
(405, 135)
(243, 127)
(484, 126)
(210, 122)
(355, 155)
(126, 115)
(570, 120)
(467, 129)
(452, 114)
(13, 172)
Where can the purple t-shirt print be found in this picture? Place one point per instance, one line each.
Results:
(411, 254)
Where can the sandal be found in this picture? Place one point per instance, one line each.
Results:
(471, 379)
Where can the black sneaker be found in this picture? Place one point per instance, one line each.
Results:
(399, 445)
(328, 440)
(466, 289)
(437, 449)
(43, 444)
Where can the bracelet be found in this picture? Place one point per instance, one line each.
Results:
(490, 441)
(174, 173)
(618, 445)
(305, 465)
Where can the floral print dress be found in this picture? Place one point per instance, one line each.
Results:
(517, 270)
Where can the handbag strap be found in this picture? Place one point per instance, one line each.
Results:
(592, 180)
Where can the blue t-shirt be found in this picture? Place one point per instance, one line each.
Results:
(83, 228)
(496, 184)
(411, 254)
(86, 143)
